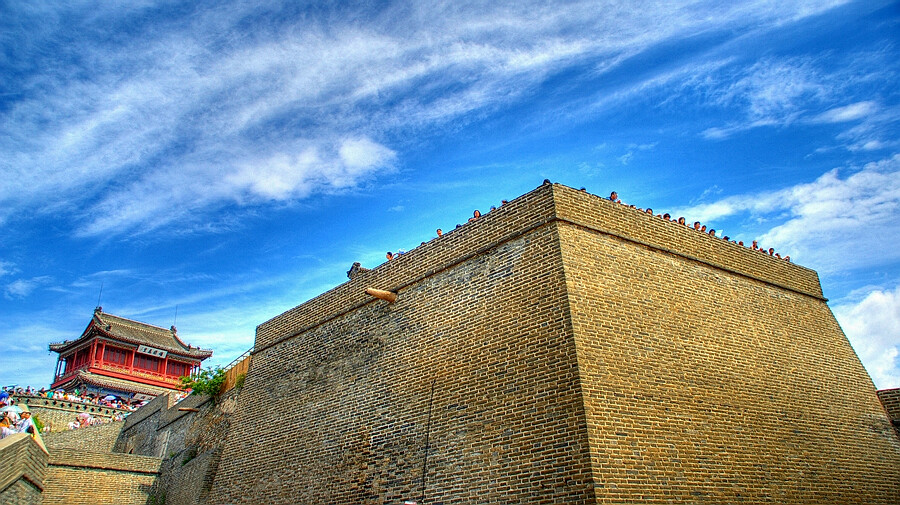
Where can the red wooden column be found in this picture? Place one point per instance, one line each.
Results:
(101, 348)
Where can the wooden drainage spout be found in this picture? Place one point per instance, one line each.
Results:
(384, 295)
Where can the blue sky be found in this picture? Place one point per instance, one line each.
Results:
(233, 159)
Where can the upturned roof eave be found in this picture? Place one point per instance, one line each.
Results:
(61, 347)
(178, 346)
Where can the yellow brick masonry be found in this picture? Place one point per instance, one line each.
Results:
(351, 395)
(80, 477)
(704, 384)
(891, 400)
(568, 350)
(599, 215)
(22, 470)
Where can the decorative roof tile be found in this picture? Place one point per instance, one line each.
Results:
(134, 332)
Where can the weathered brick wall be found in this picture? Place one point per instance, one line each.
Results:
(580, 352)
(154, 406)
(91, 438)
(158, 428)
(195, 449)
(186, 478)
(515, 219)
(22, 470)
(76, 477)
(57, 414)
(188, 436)
(593, 213)
(20, 492)
(339, 413)
(704, 384)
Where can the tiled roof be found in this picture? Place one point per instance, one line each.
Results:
(135, 332)
(119, 384)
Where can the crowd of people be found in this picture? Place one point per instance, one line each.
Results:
(15, 419)
(77, 396)
(614, 197)
(83, 419)
(440, 233)
(697, 226)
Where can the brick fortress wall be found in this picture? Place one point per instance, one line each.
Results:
(188, 436)
(891, 400)
(713, 373)
(346, 380)
(562, 349)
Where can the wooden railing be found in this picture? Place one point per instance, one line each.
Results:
(147, 374)
(236, 369)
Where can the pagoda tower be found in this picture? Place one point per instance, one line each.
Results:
(125, 358)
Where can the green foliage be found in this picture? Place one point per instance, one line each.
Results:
(239, 381)
(38, 425)
(206, 382)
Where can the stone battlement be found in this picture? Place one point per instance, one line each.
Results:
(547, 204)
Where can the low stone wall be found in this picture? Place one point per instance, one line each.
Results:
(22, 471)
(91, 438)
(56, 414)
(78, 477)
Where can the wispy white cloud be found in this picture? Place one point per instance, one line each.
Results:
(780, 92)
(850, 112)
(873, 130)
(871, 326)
(7, 268)
(770, 92)
(632, 149)
(194, 114)
(21, 288)
(845, 219)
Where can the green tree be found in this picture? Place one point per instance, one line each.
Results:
(206, 382)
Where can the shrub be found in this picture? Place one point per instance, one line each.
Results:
(38, 425)
(206, 382)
